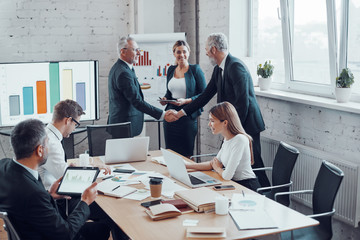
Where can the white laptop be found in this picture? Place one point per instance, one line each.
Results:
(177, 170)
(126, 150)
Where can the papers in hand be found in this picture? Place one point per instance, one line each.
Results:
(248, 212)
(114, 189)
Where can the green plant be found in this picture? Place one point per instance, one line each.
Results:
(266, 71)
(346, 79)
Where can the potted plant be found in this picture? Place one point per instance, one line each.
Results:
(343, 85)
(265, 72)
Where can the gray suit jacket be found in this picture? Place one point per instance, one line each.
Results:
(126, 100)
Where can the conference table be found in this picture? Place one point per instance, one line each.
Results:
(130, 216)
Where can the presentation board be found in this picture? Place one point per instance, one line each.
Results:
(31, 90)
(155, 59)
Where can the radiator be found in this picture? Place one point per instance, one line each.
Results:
(347, 202)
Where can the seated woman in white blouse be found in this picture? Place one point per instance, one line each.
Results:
(235, 157)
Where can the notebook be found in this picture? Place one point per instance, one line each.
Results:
(177, 170)
(126, 150)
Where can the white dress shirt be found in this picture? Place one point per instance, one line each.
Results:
(55, 165)
(177, 87)
(236, 158)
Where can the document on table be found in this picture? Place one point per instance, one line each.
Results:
(248, 212)
(126, 166)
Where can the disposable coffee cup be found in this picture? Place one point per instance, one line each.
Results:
(84, 159)
(221, 205)
(155, 187)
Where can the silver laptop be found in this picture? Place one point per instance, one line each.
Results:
(126, 150)
(177, 170)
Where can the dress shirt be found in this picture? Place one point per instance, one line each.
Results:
(55, 165)
(31, 171)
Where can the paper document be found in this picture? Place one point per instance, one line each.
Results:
(257, 219)
(247, 202)
(139, 195)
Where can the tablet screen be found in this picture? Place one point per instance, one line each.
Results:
(77, 179)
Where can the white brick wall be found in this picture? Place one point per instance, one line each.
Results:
(45, 30)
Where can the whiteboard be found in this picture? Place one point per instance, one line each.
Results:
(155, 59)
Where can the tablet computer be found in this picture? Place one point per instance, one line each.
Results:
(167, 101)
(76, 180)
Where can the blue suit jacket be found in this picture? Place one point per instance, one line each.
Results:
(195, 85)
(32, 210)
(126, 100)
(236, 88)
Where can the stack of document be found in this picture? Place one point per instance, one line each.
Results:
(248, 212)
(200, 199)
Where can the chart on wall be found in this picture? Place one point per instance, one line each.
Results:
(31, 90)
(155, 59)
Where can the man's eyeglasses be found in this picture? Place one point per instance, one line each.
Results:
(134, 49)
(77, 124)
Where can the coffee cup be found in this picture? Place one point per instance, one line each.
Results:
(221, 205)
(155, 187)
(84, 159)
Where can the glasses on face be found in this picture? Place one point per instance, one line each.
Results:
(77, 124)
(134, 49)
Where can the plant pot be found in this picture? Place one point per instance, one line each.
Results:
(342, 94)
(264, 83)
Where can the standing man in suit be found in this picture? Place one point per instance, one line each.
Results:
(232, 82)
(126, 100)
(32, 209)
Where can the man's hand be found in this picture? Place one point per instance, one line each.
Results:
(89, 195)
(171, 116)
(101, 166)
(54, 188)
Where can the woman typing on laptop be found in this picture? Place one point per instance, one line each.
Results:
(233, 161)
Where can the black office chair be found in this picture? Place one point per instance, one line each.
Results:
(9, 228)
(282, 168)
(98, 134)
(326, 186)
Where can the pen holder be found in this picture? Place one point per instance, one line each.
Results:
(155, 187)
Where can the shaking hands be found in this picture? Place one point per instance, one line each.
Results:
(171, 115)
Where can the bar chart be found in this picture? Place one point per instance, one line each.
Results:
(31, 90)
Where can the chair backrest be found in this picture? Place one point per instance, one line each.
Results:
(12, 234)
(326, 186)
(283, 166)
(97, 135)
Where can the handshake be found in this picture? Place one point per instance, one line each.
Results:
(172, 115)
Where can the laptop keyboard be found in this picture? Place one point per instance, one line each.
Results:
(195, 181)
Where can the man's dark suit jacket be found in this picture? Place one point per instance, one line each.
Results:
(126, 100)
(236, 88)
(31, 208)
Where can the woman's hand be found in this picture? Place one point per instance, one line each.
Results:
(217, 165)
(162, 102)
(181, 101)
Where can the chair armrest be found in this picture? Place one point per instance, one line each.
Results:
(293, 192)
(263, 168)
(322, 214)
(274, 187)
(203, 155)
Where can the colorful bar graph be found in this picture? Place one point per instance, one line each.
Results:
(144, 59)
(28, 100)
(41, 97)
(67, 84)
(54, 82)
(80, 95)
(14, 105)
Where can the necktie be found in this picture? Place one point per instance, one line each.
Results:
(220, 85)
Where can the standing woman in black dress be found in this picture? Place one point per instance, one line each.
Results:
(185, 82)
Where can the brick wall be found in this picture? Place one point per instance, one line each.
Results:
(45, 30)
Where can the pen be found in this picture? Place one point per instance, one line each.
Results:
(157, 177)
(243, 193)
(107, 177)
(115, 188)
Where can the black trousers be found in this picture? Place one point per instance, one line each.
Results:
(251, 183)
(258, 162)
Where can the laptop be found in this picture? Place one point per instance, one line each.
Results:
(126, 150)
(177, 170)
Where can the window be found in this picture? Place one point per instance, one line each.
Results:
(353, 52)
(268, 37)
